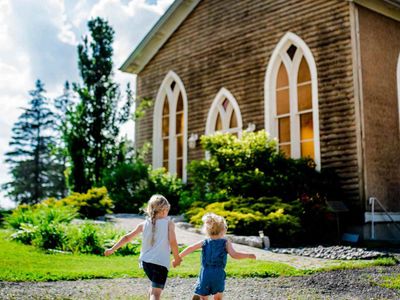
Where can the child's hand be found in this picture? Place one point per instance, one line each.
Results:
(108, 252)
(252, 256)
(176, 262)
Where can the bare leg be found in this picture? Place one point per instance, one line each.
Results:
(155, 293)
(203, 297)
(218, 296)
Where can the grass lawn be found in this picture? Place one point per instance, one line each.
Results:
(391, 282)
(20, 262)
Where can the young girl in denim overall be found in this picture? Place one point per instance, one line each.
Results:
(213, 257)
(158, 239)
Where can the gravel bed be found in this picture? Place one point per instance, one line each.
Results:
(333, 252)
(346, 284)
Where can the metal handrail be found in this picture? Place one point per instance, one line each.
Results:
(372, 201)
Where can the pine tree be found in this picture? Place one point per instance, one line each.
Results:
(94, 123)
(30, 158)
(63, 106)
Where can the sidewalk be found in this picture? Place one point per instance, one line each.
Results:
(130, 221)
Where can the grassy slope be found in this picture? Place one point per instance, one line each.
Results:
(25, 263)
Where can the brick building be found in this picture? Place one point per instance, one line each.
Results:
(322, 76)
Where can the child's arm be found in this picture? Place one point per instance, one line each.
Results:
(237, 255)
(124, 240)
(191, 249)
(173, 244)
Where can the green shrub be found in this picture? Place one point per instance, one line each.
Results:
(3, 214)
(247, 216)
(94, 203)
(127, 184)
(48, 226)
(50, 236)
(26, 233)
(161, 182)
(42, 213)
(85, 238)
(92, 238)
(251, 168)
(131, 184)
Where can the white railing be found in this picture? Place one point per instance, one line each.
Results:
(372, 201)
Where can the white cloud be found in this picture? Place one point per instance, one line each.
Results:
(38, 40)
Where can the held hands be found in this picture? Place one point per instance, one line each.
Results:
(176, 262)
(108, 252)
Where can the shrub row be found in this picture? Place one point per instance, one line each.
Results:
(256, 187)
(49, 226)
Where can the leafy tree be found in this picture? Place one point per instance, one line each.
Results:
(94, 123)
(31, 160)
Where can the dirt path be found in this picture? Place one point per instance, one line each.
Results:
(128, 222)
(348, 284)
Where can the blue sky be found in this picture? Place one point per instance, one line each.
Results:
(38, 41)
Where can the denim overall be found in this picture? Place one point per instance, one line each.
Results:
(212, 274)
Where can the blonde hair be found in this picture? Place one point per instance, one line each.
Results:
(213, 224)
(156, 204)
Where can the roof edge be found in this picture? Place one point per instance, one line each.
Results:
(388, 8)
(158, 35)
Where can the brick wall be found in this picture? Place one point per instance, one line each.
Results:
(228, 43)
(379, 54)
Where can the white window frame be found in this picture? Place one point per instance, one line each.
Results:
(165, 91)
(398, 89)
(216, 108)
(292, 66)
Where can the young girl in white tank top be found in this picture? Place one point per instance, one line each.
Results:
(158, 239)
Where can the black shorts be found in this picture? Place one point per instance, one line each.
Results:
(156, 273)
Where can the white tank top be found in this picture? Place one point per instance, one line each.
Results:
(159, 253)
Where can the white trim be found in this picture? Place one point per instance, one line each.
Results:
(279, 55)
(388, 8)
(381, 217)
(215, 109)
(158, 35)
(358, 102)
(172, 96)
(398, 89)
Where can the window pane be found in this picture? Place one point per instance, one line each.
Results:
(179, 146)
(291, 51)
(225, 104)
(179, 168)
(282, 79)
(179, 123)
(165, 149)
(233, 121)
(173, 83)
(306, 126)
(179, 105)
(282, 102)
(307, 149)
(304, 97)
(304, 72)
(165, 107)
(284, 130)
(218, 124)
(165, 126)
(285, 149)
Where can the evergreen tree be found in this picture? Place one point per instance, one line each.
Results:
(30, 159)
(63, 106)
(94, 123)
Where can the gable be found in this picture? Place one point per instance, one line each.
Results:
(158, 35)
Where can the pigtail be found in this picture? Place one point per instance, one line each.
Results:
(153, 227)
(156, 204)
